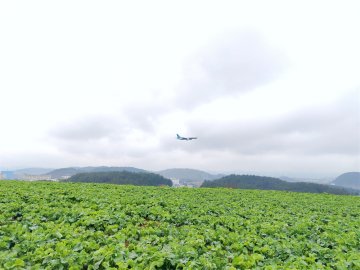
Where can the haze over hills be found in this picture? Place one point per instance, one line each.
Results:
(68, 172)
(189, 176)
(349, 179)
(34, 171)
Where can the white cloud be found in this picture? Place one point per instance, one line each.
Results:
(87, 83)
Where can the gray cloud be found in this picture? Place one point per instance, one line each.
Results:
(234, 63)
(327, 130)
(145, 115)
(332, 129)
(107, 136)
(86, 129)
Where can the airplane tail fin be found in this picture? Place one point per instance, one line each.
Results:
(178, 136)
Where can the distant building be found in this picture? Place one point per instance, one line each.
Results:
(64, 177)
(175, 182)
(1, 176)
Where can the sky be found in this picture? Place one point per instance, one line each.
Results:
(268, 87)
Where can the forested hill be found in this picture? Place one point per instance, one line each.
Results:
(269, 183)
(122, 178)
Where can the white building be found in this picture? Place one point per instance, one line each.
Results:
(64, 177)
(175, 182)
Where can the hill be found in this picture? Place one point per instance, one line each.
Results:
(34, 171)
(122, 178)
(188, 176)
(350, 180)
(270, 183)
(67, 172)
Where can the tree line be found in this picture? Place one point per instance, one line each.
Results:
(270, 183)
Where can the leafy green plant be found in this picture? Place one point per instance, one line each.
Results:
(96, 226)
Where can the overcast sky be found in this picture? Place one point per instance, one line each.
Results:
(269, 87)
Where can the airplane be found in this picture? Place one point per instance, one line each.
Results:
(185, 138)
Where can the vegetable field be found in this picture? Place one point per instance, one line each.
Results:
(99, 226)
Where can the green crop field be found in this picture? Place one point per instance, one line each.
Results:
(99, 226)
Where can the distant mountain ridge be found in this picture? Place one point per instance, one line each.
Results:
(270, 183)
(34, 171)
(349, 179)
(190, 176)
(70, 171)
(186, 176)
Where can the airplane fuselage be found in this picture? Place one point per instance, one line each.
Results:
(185, 138)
